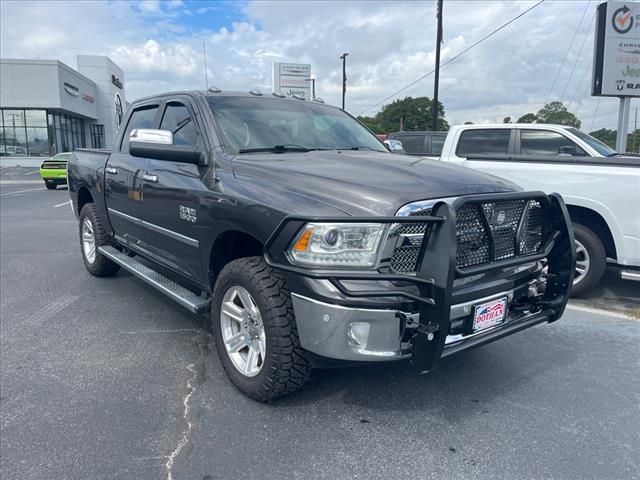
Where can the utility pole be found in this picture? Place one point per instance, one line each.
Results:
(313, 87)
(344, 76)
(204, 54)
(436, 81)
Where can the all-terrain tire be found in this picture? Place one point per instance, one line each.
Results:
(597, 259)
(100, 266)
(286, 367)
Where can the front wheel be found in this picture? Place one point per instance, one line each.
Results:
(591, 260)
(255, 331)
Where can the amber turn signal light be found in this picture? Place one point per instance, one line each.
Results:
(303, 242)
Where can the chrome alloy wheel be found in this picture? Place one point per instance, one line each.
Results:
(582, 263)
(88, 240)
(243, 331)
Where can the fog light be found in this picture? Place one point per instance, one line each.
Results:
(359, 334)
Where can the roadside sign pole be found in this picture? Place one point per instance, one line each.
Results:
(623, 123)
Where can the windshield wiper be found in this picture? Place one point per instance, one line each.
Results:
(358, 147)
(613, 154)
(277, 149)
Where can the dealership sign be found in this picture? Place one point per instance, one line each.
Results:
(292, 79)
(616, 62)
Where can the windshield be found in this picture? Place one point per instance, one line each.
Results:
(594, 143)
(271, 124)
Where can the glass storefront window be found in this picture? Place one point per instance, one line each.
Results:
(39, 132)
(14, 118)
(36, 118)
(38, 141)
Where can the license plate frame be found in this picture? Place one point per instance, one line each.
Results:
(489, 314)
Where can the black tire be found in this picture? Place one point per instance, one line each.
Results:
(286, 367)
(597, 260)
(101, 266)
(50, 185)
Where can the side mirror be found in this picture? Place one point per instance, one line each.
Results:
(158, 144)
(394, 146)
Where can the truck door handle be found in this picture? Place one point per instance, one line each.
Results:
(111, 170)
(150, 178)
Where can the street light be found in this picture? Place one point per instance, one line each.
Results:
(344, 76)
(313, 87)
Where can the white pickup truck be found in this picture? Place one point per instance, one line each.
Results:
(600, 187)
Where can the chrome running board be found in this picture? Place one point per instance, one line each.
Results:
(182, 295)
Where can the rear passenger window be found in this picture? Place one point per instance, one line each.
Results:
(140, 118)
(483, 142)
(437, 141)
(540, 142)
(412, 143)
(178, 121)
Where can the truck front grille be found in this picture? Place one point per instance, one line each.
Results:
(486, 232)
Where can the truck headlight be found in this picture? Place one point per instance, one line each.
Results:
(342, 245)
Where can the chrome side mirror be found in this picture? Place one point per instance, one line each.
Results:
(150, 135)
(395, 146)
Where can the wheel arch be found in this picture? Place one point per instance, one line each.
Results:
(231, 245)
(84, 197)
(597, 224)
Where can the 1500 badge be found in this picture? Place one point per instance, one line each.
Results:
(188, 214)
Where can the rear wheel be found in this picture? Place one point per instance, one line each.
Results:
(591, 260)
(255, 331)
(50, 185)
(92, 235)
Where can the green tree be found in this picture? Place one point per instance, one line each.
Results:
(528, 118)
(606, 135)
(556, 112)
(468, 123)
(413, 113)
(506, 120)
(372, 123)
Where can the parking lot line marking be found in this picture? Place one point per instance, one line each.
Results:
(599, 311)
(31, 173)
(20, 191)
(62, 204)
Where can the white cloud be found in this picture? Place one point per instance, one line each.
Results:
(390, 45)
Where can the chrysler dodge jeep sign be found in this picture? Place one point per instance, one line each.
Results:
(292, 79)
(616, 63)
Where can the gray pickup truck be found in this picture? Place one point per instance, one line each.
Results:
(311, 244)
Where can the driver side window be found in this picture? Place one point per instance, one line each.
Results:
(178, 121)
(541, 142)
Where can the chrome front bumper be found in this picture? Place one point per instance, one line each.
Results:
(359, 334)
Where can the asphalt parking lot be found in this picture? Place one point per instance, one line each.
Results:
(95, 375)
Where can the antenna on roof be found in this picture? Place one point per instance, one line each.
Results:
(204, 55)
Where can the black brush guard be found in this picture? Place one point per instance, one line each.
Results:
(434, 277)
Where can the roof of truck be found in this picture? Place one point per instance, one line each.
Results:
(213, 92)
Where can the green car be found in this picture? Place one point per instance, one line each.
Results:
(54, 170)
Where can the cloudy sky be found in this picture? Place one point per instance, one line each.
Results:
(543, 56)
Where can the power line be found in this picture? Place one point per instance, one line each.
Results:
(456, 56)
(578, 57)
(566, 54)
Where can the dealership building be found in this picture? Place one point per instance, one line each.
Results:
(47, 107)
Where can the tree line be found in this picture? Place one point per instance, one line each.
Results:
(415, 113)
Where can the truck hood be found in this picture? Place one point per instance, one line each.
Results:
(364, 182)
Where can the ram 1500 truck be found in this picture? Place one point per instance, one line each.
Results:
(310, 243)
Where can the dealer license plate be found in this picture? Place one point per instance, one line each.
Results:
(489, 314)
